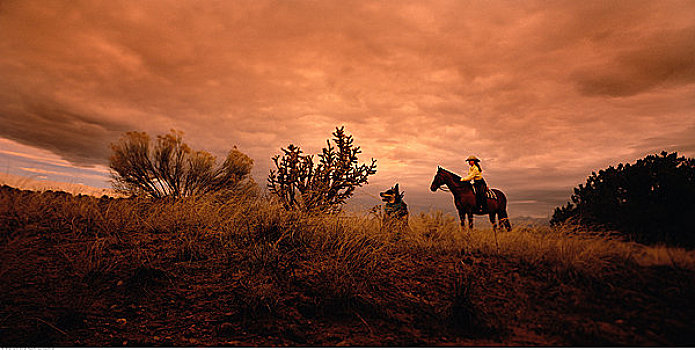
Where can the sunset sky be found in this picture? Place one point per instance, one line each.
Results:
(544, 92)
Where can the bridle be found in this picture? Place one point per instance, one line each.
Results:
(445, 189)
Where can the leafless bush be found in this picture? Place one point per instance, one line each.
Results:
(170, 168)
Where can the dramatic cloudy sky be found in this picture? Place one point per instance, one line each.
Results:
(543, 91)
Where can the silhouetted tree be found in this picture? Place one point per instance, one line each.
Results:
(650, 201)
(300, 183)
(170, 168)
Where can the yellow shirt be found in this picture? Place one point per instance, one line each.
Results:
(473, 174)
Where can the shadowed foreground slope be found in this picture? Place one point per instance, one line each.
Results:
(239, 271)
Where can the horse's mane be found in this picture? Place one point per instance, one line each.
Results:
(456, 182)
(453, 174)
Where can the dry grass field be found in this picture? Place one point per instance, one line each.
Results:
(86, 271)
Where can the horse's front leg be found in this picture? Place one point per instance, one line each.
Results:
(470, 220)
(462, 218)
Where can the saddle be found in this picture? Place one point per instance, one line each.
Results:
(489, 194)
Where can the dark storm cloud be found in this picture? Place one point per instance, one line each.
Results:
(666, 60)
(78, 138)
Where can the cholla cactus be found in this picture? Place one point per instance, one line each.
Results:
(299, 183)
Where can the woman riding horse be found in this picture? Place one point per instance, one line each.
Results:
(475, 173)
(465, 201)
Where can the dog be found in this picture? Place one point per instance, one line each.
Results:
(395, 210)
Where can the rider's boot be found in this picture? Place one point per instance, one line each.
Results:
(479, 203)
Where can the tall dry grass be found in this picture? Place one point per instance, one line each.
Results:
(564, 247)
(352, 241)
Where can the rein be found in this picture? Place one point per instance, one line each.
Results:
(445, 189)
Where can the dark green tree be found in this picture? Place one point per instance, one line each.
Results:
(301, 183)
(167, 167)
(650, 201)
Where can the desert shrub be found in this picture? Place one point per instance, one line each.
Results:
(258, 297)
(463, 314)
(346, 262)
(649, 201)
(299, 183)
(168, 167)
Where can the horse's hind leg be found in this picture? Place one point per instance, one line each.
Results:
(493, 221)
(504, 220)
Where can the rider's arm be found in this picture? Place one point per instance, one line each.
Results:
(472, 173)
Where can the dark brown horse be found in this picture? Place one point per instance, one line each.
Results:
(464, 199)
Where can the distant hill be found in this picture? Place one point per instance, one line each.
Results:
(529, 221)
(25, 183)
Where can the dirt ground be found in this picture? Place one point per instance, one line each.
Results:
(431, 299)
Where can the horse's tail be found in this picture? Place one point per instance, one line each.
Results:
(502, 210)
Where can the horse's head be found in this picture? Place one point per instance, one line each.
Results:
(438, 180)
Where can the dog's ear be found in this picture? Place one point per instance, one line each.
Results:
(396, 188)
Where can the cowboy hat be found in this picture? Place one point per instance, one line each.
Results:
(473, 158)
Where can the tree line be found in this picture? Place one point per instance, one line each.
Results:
(650, 201)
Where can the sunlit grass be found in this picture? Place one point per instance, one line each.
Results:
(565, 247)
(355, 240)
